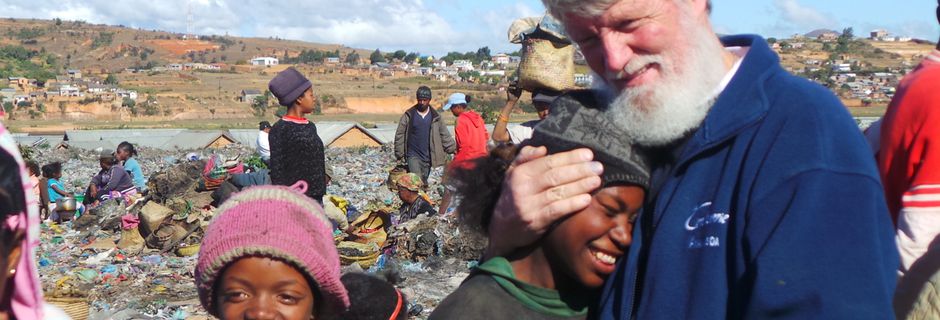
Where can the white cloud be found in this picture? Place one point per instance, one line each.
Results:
(797, 18)
(411, 25)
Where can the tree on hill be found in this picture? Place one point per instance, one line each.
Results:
(352, 58)
(260, 104)
(411, 57)
(111, 80)
(483, 54)
(377, 57)
(400, 54)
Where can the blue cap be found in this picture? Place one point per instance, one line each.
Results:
(457, 98)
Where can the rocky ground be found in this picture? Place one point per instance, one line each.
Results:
(88, 258)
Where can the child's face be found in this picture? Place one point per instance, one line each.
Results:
(105, 163)
(264, 288)
(588, 243)
(122, 154)
(307, 101)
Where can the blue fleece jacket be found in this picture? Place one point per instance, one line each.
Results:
(774, 209)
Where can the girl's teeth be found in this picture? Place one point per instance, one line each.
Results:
(605, 258)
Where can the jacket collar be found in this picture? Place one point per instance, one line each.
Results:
(434, 114)
(743, 101)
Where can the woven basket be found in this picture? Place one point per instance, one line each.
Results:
(76, 308)
(546, 65)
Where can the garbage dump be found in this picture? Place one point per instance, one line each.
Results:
(135, 259)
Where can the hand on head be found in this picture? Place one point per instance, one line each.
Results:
(539, 190)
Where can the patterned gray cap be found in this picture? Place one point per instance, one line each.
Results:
(577, 120)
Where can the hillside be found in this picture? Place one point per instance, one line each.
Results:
(85, 46)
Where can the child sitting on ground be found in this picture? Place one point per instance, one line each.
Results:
(559, 276)
(270, 241)
(53, 174)
(126, 155)
(112, 181)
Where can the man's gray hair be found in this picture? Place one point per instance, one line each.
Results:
(586, 8)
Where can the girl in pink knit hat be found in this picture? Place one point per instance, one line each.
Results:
(270, 253)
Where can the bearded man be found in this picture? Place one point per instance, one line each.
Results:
(765, 201)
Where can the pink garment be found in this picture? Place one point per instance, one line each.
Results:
(277, 222)
(26, 299)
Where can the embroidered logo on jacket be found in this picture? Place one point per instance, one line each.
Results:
(705, 226)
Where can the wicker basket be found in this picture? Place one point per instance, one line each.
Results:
(546, 65)
(76, 308)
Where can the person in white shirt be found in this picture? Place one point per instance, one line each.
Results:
(264, 148)
(503, 134)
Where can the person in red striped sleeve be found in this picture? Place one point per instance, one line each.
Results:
(909, 162)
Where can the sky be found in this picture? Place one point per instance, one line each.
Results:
(439, 26)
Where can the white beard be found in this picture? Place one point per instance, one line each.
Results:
(661, 113)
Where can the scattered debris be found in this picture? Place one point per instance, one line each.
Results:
(135, 261)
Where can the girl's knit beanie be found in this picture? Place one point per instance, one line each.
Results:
(277, 222)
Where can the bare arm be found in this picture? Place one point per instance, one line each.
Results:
(537, 191)
(500, 132)
(60, 191)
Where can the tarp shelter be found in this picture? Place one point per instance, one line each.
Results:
(333, 134)
(164, 139)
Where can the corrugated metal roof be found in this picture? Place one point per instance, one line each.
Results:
(328, 131)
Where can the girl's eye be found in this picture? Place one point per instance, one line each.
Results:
(236, 296)
(288, 299)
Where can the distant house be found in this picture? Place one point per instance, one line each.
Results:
(20, 98)
(463, 65)
(249, 95)
(97, 88)
(174, 66)
(38, 95)
(131, 94)
(439, 64)
(69, 90)
(332, 60)
(74, 74)
(501, 58)
(879, 34)
(264, 61)
(425, 71)
(842, 67)
(515, 59)
(493, 73)
(828, 36)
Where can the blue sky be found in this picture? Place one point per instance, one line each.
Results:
(438, 26)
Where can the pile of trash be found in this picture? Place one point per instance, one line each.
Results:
(135, 259)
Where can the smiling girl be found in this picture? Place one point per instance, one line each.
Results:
(269, 254)
(559, 276)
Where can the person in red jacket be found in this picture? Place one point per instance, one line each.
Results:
(909, 161)
(470, 131)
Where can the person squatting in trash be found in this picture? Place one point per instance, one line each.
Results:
(414, 201)
(559, 276)
(112, 181)
(296, 149)
(269, 253)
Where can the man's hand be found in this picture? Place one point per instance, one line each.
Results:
(537, 191)
(513, 93)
